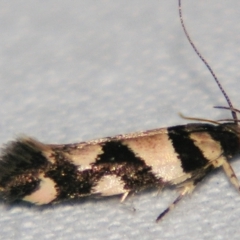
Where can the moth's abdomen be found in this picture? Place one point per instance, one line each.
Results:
(41, 174)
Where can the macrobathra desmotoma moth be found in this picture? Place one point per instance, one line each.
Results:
(178, 156)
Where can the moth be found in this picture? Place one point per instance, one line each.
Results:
(179, 156)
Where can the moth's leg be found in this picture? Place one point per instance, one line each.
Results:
(231, 174)
(185, 189)
(124, 197)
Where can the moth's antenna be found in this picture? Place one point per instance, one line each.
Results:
(234, 115)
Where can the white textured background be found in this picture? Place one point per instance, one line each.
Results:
(78, 70)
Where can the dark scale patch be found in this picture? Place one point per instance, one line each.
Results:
(116, 152)
(21, 189)
(19, 157)
(227, 138)
(70, 183)
(20, 164)
(190, 155)
(137, 177)
(119, 160)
